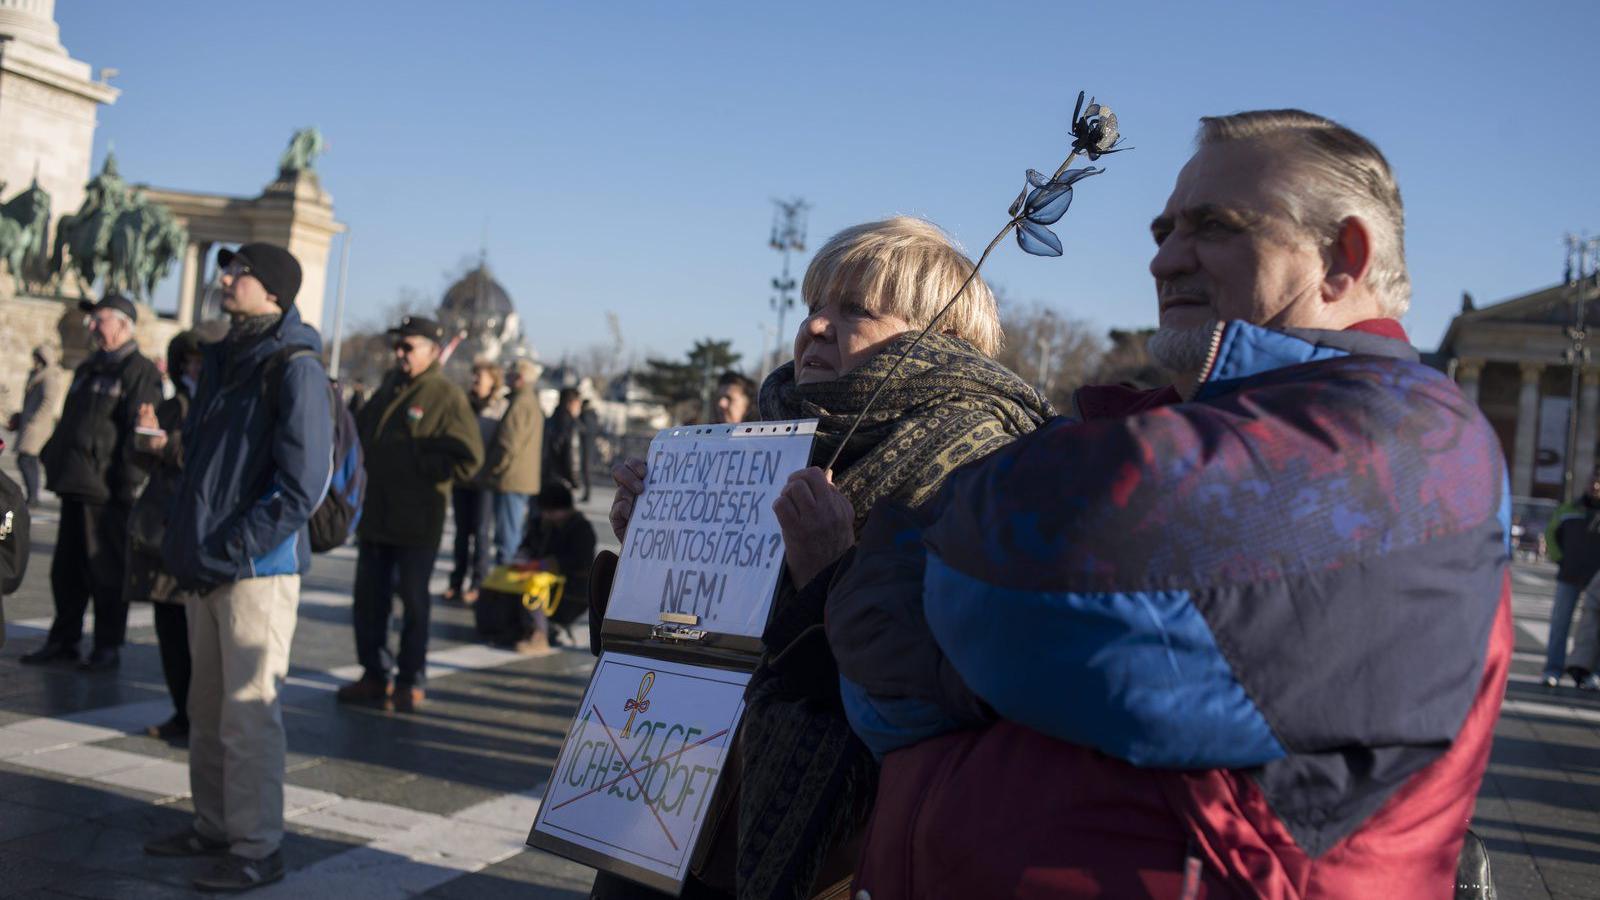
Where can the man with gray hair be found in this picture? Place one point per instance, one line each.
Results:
(1247, 634)
(90, 463)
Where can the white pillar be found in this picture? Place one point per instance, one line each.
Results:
(1588, 429)
(189, 275)
(1522, 458)
(1467, 373)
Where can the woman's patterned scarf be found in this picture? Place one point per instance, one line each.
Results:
(948, 404)
(807, 782)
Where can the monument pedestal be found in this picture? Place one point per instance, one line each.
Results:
(48, 105)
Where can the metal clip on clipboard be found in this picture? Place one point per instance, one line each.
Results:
(678, 628)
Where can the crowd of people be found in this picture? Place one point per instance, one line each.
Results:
(1246, 634)
(208, 499)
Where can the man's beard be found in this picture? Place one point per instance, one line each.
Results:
(1182, 351)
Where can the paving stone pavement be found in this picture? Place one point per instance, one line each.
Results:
(439, 804)
(378, 805)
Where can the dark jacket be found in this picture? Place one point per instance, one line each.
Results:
(14, 543)
(561, 448)
(1573, 541)
(90, 455)
(570, 545)
(257, 461)
(513, 460)
(147, 577)
(419, 436)
(1267, 629)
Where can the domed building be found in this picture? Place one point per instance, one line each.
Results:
(478, 306)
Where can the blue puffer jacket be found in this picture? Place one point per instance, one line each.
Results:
(253, 475)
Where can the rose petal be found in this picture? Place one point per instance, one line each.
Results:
(1037, 239)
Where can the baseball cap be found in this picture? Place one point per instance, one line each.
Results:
(419, 326)
(112, 301)
(276, 268)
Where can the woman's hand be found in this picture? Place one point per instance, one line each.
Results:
(818, 523)
(629, 475)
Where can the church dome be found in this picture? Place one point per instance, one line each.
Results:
(476, 301)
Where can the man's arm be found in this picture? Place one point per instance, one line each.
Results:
(302, 458)
(1552, 531)
(897, 684)
(1290, 568)
(455, 451)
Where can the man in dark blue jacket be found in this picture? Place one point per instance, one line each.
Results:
(259, 447)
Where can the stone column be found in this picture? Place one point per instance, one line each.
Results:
(189, 275)
(1588, 430)
(1467, 374)
(1527, 431)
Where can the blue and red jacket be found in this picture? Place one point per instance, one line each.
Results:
(1251, 644)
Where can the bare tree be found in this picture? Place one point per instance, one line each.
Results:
(1128, 361)
(1055, 353)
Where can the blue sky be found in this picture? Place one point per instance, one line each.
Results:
(622, 156)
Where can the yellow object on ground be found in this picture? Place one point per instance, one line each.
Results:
(540, 591)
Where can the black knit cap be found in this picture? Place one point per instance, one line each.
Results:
(276, 269)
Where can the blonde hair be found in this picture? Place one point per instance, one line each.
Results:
(496, 374)
(1349, 177)
(905, 267)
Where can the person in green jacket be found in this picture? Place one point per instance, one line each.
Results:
(419, 435)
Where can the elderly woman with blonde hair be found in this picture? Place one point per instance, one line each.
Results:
(805, 782)
(471, 502)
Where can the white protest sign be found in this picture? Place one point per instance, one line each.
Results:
(702, 540)
(634, 779)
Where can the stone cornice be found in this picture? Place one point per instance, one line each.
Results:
(28, 62)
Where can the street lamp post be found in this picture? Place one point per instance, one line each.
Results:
(788, 236)
(338, 307)
(1583, 254)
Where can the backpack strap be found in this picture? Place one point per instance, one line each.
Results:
(272, 371)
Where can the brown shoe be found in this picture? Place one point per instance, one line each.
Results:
(366, 692)
(407, 699)
(536, 644)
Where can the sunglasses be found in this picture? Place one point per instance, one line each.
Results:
(406, 347)
(236, 268)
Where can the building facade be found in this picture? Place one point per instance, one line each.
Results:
(1514, 358)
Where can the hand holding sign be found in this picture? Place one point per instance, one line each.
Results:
(818, 523)
(629, 474)
(701, 543)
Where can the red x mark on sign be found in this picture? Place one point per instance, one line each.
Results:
(634, 772)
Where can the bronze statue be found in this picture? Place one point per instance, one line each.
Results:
(301, 155)
(145, 239)
(24, 223)
(118, 235)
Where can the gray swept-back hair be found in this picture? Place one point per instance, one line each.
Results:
(1348, 176)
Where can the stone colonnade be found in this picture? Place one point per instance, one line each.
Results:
(1468, 372)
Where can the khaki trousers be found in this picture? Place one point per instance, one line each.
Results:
(239, 638)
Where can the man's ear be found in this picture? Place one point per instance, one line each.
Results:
(1349, 259)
